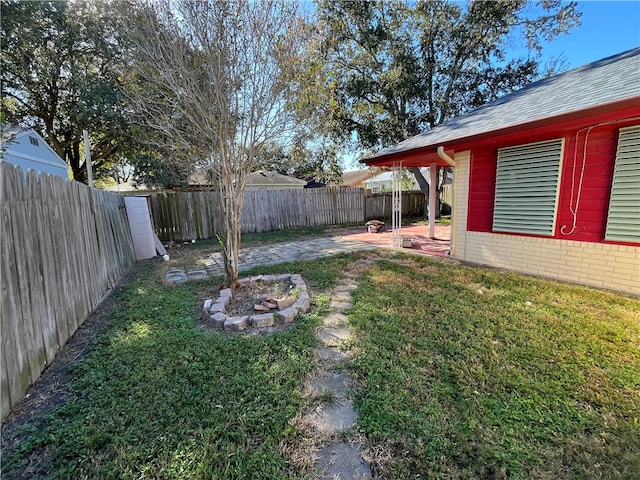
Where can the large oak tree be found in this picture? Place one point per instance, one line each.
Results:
(397, 68)
(60, 64)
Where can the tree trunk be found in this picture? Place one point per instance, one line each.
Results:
(422, 182)
(440, 177)
(78, 168)
(232, 213)
(424, 186)
(232, 200)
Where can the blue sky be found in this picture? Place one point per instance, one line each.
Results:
(608, 27)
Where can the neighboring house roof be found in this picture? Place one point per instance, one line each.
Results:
(9, 132)
(605, 82)
(385, 180)
(380, 178)
(355, 178)
(27, 149)
(264, 179)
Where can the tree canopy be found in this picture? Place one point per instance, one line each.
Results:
(60, 63)
(367, 73)
(399, 68)
(217, 81)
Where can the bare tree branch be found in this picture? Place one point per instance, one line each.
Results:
(214, 78)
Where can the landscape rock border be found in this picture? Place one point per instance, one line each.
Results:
(217, 309)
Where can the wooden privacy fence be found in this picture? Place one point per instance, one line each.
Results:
(268, 210)
(186, 215)
(196, 215)
(61, 252)
(181, 216)
(380, 205)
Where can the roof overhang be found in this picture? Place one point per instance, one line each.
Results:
(419, 157)
(427, 154)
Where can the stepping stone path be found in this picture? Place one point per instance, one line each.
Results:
(333, 415)
(332, 418)
(212, 264)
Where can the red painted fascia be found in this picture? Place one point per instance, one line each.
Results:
(557, 125)
(422, 157)
(554, 126)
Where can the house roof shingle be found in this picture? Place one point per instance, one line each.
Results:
(603, 82)
(266, 178)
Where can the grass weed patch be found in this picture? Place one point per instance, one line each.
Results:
(159, 398)
(477, 373)
(319, 275)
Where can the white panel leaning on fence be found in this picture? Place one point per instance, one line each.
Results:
(63, 247)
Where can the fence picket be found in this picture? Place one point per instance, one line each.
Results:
(48, 326)
(186, 215)
(59, 258)
(15, 370)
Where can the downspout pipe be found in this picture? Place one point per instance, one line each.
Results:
(449, 160)
(444, 156)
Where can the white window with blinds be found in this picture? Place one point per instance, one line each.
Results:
(527, 182)
(623, 221)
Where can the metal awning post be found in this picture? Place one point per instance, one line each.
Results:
(396, 206)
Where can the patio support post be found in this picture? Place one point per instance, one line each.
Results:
(433, 170)
(396, 205)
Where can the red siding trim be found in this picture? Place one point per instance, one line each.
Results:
(482, 186)
(589, 199)
(563, 124)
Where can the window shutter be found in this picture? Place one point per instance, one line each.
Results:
(527, 188)
(623, 222)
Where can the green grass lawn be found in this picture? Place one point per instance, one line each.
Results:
(451, 383)
(159, 398)
(461, 377)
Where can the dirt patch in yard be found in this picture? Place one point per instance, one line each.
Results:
(246, 296)
(258, 305)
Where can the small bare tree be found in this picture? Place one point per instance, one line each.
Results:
(217, 79)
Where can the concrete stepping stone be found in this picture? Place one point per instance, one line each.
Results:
(340, 306)
(336, 383)
(197, 274)
(334, 418)
(342, 297)
(342, 461)
(330, 354)
(345, 287)
(336, 319)
(176, 275)
(332, 336)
